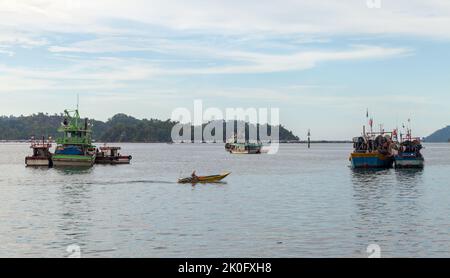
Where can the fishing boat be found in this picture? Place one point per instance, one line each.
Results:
(373, 150)
(75, 147)
(235, 146)
(409, 152)
(204, 179)
(41, 153)
(111, 155)
(245, 148)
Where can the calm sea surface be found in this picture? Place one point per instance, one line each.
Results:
(298, 203)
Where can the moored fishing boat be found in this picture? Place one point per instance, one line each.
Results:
(75, 147)
(245, 148)
(409, 153)
(373, 150)
(234, 146)
(41, 153)
(111, 155)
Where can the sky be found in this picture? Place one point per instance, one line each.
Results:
(322, 63)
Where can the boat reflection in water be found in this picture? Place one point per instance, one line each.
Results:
(388, 208)
(74, 170)
(408, 175)
(370, 176)
(75, 223)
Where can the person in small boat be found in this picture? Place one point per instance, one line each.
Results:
(194, 176)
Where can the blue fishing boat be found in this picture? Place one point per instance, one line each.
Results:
(409, 153)
(373, 150)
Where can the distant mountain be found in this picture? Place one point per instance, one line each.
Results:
(119, 128)
(442, 135)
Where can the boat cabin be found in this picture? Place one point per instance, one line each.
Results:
(110, 151)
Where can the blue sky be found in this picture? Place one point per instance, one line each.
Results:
(322, 63)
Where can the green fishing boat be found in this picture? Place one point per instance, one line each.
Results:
(75, 147)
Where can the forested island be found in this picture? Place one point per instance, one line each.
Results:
(119, 128)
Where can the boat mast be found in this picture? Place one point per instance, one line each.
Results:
(309, 138)
(78, 104)
(409, 132)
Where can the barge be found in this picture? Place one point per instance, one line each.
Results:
(111, 155)
(41, 153)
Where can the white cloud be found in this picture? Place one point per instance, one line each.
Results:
(6, 52)
(94, 47)
(113, 73)
(404, 17)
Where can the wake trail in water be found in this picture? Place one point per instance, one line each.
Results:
(127, 182)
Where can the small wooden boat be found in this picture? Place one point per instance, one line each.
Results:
(204, 179)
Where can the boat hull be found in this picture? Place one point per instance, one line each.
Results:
(73, 160)
(371, 160)
(243, 148)
(409, 162)
(245, 151)
(113, 160)
(37, 161)
(204, 179)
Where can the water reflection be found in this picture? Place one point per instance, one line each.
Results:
(409, 191)
(74, 170)
(379, 193)
(324, 210)
(369, 176)
(75, 213)
(409, 175)
(37, 169)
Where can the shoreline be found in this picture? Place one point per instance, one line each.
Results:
(283, 142)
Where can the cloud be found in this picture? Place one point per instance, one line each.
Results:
(114, 73)
(400, 17)
(266, 63)
(7, 52)
(169, 50)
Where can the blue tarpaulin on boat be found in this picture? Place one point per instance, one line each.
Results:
(69, 150)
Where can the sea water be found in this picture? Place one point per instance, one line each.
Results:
(298, 203)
